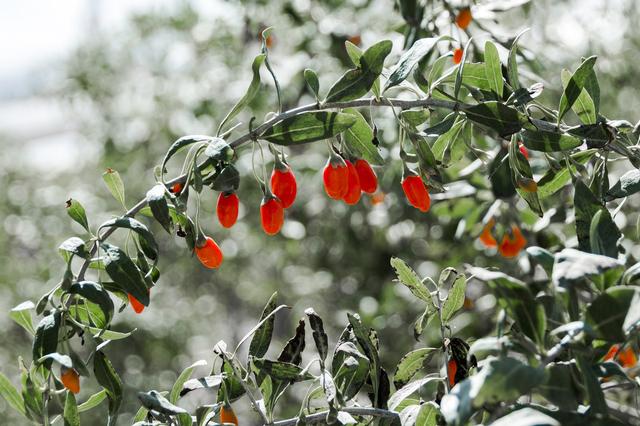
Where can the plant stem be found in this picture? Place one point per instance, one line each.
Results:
(322, 416)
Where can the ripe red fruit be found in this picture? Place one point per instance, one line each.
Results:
(209, 253)
(416, 192)
(135, 304)
(177, 188)
(464, 18)
(353, 185)
(457, 56)
(271, 214)
(283, 184)
(227, 415)
(452, 368)
(70, 379)
(523, 150)
(368, 178)
(227, 209)
(336, 177)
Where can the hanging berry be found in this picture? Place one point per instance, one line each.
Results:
(415, 190)
(457, 55)
(227, 208)
(209, 253)
(336, 177)
(452, 369)
(512, 243)
(353, 185)
(227, 415)
(271, 214)
(70, 379)
(368, 178)
(176, 188)
(486, 237)
(135, 304)
(523, 150)
(625, 357)
(464, 18)
(283, 183)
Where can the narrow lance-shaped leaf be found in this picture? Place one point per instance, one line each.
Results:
(150, 248)
(311, 78)
(262, 336)
(359, 139)
(493, 68)
(159, 207)
(410, 59)
(71, 416)
(459, 73)
(604, 234)
(628, 184)
(512, 63)
(586, 205)
(108, 378)
(497, 116)
(292, 351)
(95, 293)
(522, 177)
(409, 278)
(308, 127)
(455, 299)
(77, 213)
(75, 246)
(182, 379)
(575, 85)
(583, 105)
(46, 338)
(254, 86)
(410, 364)
(11, 394)
(541, 140)
(319, 336)
(181, 143)
(115, 185)
(21, 314)
(125, 273)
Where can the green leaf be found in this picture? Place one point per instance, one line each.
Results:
(357, 82)
(219, 150)
(350, 370)
(182, 379)
(455, 299)
(460, 71)
(95, 293)
(282, 371)
(575, 85)
(151, 247)
(542, 256)
(540, 140)
(408, 390)
(228, 180)
(159, 207)
(359, 139)
(73, 245)
(77, 213)
(604, 234)
(363, 336)
(71, 416)
(93, 401)
(522, 177)
(208, 382)
(442, 146)
(415, 117)
(497, 116)
(292, 351)
(632, 319)
(252, 91)
(583, 105)
(607, 314)
(11, 394)
(262, 336)
(107, 377)
(21, 314)
(428, 415)
(586, 206)
(410, 364)
(493, 68)
(46, 338)
(410, 59)
(501, 380)
(526, 417)
(125, 273)
(64, 360)
(409, 278)
(153, 400)
(512, 63)
(560, 388)
(514, 296)
(309, 127)
(181, 143)
(319, 336)
(500, 175)
(115, 185)
(311, 78)
(572, 266)
(628, 184)
(554, 180)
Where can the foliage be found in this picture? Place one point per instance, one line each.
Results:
(563, 347)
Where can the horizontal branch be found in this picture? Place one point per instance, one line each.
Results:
(322, 416)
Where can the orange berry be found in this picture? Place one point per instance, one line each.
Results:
(227, 209)
(137, 306)
(355, 39)
(209, 254)
(177, 188)
(452, 368)
(336, 178)
(283, 184)
(70, 379)
(627, 358)
(464, 18)
(416, 192)
(377, 197)
(512, 244)
(367, 177)
(271, 214)
(486, 237)
(523, 150)
(457, 55)
(527, 184)
(613, 350)
(227, 415)
(353, 185)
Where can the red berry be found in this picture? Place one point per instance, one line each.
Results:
(523, 150)
(353, 185)
(70, 379)
(368, 178)
(227, 209)
(457, 56)
(464, 18)
(177, 188)
(135, 304)
(209, 254)
(271, 214)
(416, 192)
(283, 184)
(336, 178)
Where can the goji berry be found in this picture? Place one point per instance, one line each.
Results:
(336, 177)
(283, 184)
(135, 304)
(70, 379)
(512, 244)
(271, 214)
(353, 185)
(227, 415)
(464, 18)
(486, 237)
(415, 191)
(209, 253)
(368, 178)
(457, 55)
(227, 208)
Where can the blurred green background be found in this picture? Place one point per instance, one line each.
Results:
(95, 84)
